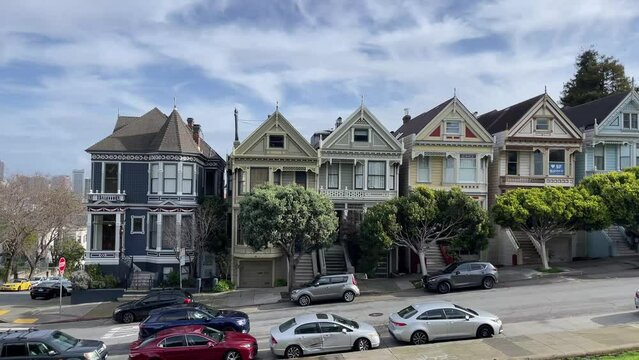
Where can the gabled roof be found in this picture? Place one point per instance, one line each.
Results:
(500, 120)
(153, 132)
(584, 115)
(416, 124)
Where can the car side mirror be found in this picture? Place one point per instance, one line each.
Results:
(467, 318)
(211, 344)
(52, 353)
(457, 272)
(344, 331)
(316, 285)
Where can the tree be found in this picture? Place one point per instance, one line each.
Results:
(620, 194)
(545, 213)
(71, 250)
(426, 217)
(374, 242)
(597, 76)
(292, 218)
(210, 233)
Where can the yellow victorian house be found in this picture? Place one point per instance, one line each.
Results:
(446, 147)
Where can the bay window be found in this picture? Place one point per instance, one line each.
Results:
(155, 178)
(538, 163)
(187, 179)
(377, 175)
(187, 232)
(512, 158)
(111, 178)
(170, 178)
(169, 232)
(391, 177)
(300, 178)
(624, 156)
(599, 157)
(259, 176)
(103, 232)
(468, 168)
(423, 169)
(359, 176)
(153, 231)
(557, 162)
(333, 176)
(449, 170)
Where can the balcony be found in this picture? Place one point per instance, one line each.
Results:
(347, 194)
(514, 180)
(111, 197)
(465, 187)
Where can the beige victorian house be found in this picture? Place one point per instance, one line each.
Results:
(275, 153)
(536, 145)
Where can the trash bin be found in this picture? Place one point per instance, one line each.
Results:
(199, 285)
(215, 281)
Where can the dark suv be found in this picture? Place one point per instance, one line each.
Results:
(139, 309)
(48, 344)
(462, 275)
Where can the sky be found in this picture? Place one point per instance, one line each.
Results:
(67, 68)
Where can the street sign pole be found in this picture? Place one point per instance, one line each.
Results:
(61, 265)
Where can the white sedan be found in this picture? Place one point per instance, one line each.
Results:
(441, 320)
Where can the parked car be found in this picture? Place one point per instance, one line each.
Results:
(201, 342)
(327, 287)
(637, 299)
(441, 320)
(462, 275)
(49, 290)
(320, 333)
(48, 344)
(65, 282)
(193, 314)
(139, 309)
(37, 280)
(16, 285)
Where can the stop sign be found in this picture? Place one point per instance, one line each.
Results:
(61, 264)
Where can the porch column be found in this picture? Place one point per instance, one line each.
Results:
(178, 230)
(178, 179)
(119, 177)
(158, 245)
(160, 179)
(478, 161)
(118, 222)
(365, 180)
(387, 172)
(89, 233)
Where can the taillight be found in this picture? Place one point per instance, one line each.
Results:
(637, 294)
(354, 281)
(273, 341)
(187, 300)
(400, 324)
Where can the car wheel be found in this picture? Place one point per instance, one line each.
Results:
(419, 338)
(443, 287)
(484, 331)
(128, 317)
(304, 300)
(33, 297)
(293, 352)
(349, 296)
(488, 282)
(233, 355)
(362, 344)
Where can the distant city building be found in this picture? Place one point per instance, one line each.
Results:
(78, 181)
(64, 180)
(87, 186)
(1, 171)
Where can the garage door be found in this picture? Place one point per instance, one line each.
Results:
(256, 274)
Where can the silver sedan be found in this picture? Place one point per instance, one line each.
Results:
(321, 333)
(441, 320)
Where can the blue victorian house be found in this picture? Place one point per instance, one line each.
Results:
(611, 143)
(147, 178)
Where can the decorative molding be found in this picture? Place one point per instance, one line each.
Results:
(106, 209)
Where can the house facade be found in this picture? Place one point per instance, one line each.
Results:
(147, 177)
(611, 143)
(359, 167)
(275, 153)
(446, 147)
(536, 145)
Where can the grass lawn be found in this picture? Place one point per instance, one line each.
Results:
(634, 355)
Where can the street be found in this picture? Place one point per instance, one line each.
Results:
(564, 304)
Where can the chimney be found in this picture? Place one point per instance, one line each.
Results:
(406, 117)
(475, 113)
(189, 122)
(236, 143)
(196, 133)
(338, 122)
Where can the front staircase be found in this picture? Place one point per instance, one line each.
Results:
(381, 271)
(528, 250)
(619, 241)
(142, 280)
(434, 259)
(334, 260)
(304, 270)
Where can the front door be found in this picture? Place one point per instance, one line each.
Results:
(333, 338)
(458, 326)
(477, 272)
(461, 276)
(309, 338)
(435, 323)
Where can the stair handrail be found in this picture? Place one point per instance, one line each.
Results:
(626, 238)
(512, 239)
(349, 267)
(612, 250)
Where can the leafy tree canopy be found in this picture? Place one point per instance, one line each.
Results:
(620, 194)
(597, 76)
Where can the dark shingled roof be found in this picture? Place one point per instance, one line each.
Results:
(416, 124)
(153, 132)
(584, 115)
(500, 120)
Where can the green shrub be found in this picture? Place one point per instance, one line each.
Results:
(223, 286)
(280, 282)
(172, 279)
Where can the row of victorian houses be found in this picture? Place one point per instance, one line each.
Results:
(149, 174)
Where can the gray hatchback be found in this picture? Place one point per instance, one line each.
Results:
(327, 287)
(462, 275)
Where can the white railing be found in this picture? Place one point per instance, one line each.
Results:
(107, 196)
(101, 254)
(359, 194)
(536, 180)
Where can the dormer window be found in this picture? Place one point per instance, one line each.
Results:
(360, 135)
(453, 128)
(542, 124)
(630, 121)
(276, 141)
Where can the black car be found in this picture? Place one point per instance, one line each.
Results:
(139, 309)
(48, 344)
(48, 290)
(194, 314)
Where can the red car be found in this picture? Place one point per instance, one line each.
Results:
(195, 342)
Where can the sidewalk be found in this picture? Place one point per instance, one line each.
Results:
(556, 345)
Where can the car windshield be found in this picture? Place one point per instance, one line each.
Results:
(467, 309)
(287, 325)
(449, 269)
(213, 334)
(49, 284)
(315, 280)
(407, 312)
(63, 341)
(346, 322)
(209, 310)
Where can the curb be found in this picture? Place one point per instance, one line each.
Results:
(607, 351)
(73, 320)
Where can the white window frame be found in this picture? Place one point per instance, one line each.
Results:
(534, 163)
(370, 176)
(633, 121)
(423, 169)
(137, 217)
(602, 155)
(157, 178)
(553, 162)
(332, 170)
(368, 135)
(360, 174)
(165, 178)
(463, 157)
(105, 164)
(626, 156)
(516, 162)
(268, 144)
(449, 171)
(447, 130)
(191, 180)
(537, 123)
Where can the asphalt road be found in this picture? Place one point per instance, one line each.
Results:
(23, 299)
(565, 304)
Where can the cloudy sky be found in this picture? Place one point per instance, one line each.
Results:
(68, 67)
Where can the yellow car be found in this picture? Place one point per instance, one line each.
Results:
(16, 285)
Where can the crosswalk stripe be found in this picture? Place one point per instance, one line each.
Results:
(25, 321)
(2, 312)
